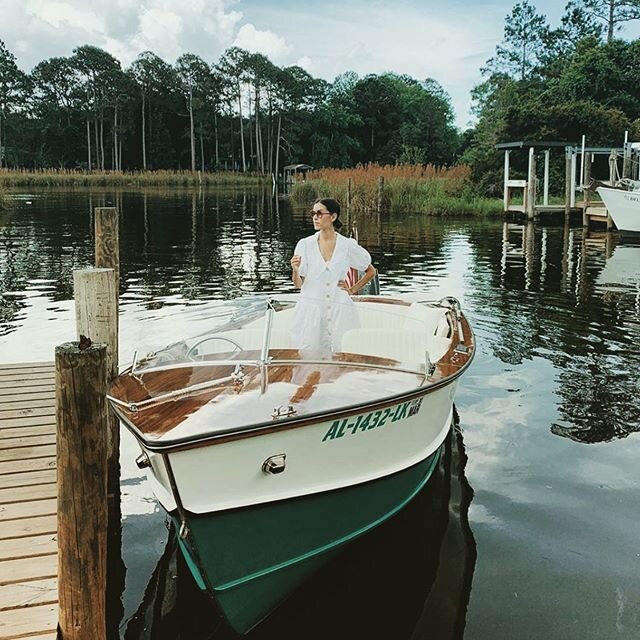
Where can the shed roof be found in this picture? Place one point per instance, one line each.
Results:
(298, 167)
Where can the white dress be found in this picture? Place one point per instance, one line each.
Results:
(324, 311)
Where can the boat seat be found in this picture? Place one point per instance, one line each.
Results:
(380, 316)
(432, 320)
(405, 346)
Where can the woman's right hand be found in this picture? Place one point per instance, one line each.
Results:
(295, 262)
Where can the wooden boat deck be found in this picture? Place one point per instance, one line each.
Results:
(28, 547)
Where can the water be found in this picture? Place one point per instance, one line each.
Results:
(531, 529)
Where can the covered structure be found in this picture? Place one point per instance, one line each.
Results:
(572, 182)
(292, 170)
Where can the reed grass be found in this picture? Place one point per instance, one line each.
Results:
(407, 188)
(73, 178)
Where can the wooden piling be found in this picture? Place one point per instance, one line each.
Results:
(530, 204)
(349, 198)
(568, 183)
(104, 328)
(81, 443)
(380, 193)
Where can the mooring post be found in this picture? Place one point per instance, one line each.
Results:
(380, 193)
(613, 167)
(530, 204)
(105, 328)
(626, 160)
(568, 183)
(587, 178)
(506, 194)
(349, 196)
(107, 249)
(81, 449)
(545, 200)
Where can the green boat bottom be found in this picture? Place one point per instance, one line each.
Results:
(250, 559)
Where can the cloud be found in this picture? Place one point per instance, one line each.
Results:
(125, 28)
(266, 42)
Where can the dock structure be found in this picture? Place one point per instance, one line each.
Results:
(28, 502)
(578, 162)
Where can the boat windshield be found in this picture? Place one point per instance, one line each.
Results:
(257, 330)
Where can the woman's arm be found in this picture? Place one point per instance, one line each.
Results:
(295, 266)
(353, 289)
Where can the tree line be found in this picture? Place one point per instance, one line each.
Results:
(240, 113)
(243, 113)
(557, 83)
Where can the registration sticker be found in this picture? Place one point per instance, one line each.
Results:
(372, 420)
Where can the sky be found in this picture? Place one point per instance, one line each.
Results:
(448, 41)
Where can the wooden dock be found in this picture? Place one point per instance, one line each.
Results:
(28, 502)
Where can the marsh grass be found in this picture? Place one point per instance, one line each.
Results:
(72, 178)
(407, 188)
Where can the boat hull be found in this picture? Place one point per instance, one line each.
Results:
(623, 207)
(250, 559)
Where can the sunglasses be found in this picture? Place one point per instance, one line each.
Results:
(319, 214)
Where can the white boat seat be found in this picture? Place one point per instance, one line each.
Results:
(381, 316)
(431, 320)
(405, 346)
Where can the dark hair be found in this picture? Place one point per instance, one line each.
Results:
(333, 206)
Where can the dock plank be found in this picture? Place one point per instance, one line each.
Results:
(25, 569)
(27, 478)
(28, 594)
(28, 440)
(23, 494)
(30, 546)
(27, 527)
(29, 509)
(28, 453)
(21, 623)
(28, 412)
(18, 466)
(26, 422)
(28, 502)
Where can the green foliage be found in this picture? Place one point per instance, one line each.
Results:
(579, 86)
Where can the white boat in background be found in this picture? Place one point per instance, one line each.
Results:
(623, 207)
(268, 460)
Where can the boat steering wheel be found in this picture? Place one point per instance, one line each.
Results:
(207, 339)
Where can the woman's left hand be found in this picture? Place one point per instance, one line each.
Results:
(342, 284)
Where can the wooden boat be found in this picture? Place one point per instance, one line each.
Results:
(268, 459)
(623, 206)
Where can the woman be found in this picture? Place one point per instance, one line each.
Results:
(320, 264)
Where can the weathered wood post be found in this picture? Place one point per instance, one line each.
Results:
(104, 327)
(585, 185)
(626, 160)
(530, 204)
(613, 167)
(107, 249)
(349, 196)
(545, 198)
(507, 192)
(81, 448)
(380, 193)
(568, 183)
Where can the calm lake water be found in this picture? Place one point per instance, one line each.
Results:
(530, 529)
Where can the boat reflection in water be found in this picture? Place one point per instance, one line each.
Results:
(409, 578)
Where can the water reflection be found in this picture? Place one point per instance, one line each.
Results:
(415, 571)
(556, 315)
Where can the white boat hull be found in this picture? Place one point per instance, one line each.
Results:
(623, 207)
(322, 456)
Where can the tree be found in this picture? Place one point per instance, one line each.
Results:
(99, 73)
(12, 90)
(523, 42)
(611, 12)
(193, 73)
